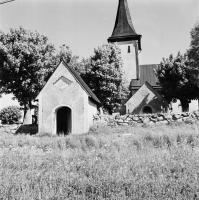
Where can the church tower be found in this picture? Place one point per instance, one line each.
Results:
(129, 41)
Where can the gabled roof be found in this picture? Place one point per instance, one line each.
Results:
(150, 88)
(153, 90)
(146, 74)
(79, 80)
(123, 29)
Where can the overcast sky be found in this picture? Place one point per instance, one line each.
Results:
(165, 25)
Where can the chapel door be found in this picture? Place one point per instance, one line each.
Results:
(64, 121)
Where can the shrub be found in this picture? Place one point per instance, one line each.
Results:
(10, 115)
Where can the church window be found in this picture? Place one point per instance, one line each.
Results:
(129, 49)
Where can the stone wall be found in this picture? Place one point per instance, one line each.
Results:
(127, 120)
(147, 119)
(9, 128)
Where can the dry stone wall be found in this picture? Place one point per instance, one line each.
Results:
(9, 128)
(129, 120)
(147, 119)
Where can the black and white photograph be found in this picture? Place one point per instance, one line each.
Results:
(99, 99)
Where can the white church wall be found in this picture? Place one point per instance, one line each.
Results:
(92, 110)
(129, 54)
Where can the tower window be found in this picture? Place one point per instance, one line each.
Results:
(129, 49)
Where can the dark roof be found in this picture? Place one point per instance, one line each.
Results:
(123, 29)
(123, 22)
(155, 91)
(81, 82)
(146, 75)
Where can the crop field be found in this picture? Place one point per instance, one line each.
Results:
(159, 162)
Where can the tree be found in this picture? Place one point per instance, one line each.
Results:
(177, 80)
(104, 74)
(10, 115)
(193, 51)
(27, 60)
(66, 54)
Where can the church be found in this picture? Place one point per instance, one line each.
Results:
(66, 103)
(144, 87)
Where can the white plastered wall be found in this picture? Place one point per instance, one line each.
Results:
(130, 59)
(92, 110)
(40, 114)
(72, 96)
(86, 127)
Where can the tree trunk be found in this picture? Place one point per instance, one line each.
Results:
(185, 105)
(27, 114)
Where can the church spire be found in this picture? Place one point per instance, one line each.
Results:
(124, 29)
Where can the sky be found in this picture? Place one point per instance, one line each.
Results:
(83, 25)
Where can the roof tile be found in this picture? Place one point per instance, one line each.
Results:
(146, 74)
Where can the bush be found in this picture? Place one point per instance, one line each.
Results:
(10, 115)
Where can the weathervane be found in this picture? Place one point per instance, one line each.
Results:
(6, 1)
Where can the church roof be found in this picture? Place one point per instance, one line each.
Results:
(123, 29)
(146, 75)
(148, 85)
(81, 82)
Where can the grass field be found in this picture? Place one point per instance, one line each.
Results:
(108, 163)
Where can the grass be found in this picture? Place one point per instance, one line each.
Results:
(107, 163)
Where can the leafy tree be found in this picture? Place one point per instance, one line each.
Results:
(177, 79)
(104, 74)
(66, 54)
(193, 51)
(27, 60)
(10, 115)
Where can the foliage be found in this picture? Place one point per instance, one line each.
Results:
(154, 163)
(10, 115)
(193, 51)
(27, 60)
(177, 79)
(104, 74)
(66, 54)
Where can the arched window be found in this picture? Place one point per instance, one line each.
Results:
(147, 110)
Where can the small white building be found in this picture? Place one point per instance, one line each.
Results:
(66, 103)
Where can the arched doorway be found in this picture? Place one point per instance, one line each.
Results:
(64, 121)
(147, 110)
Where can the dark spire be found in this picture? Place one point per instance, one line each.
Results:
(123, 22)
(124, 29)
